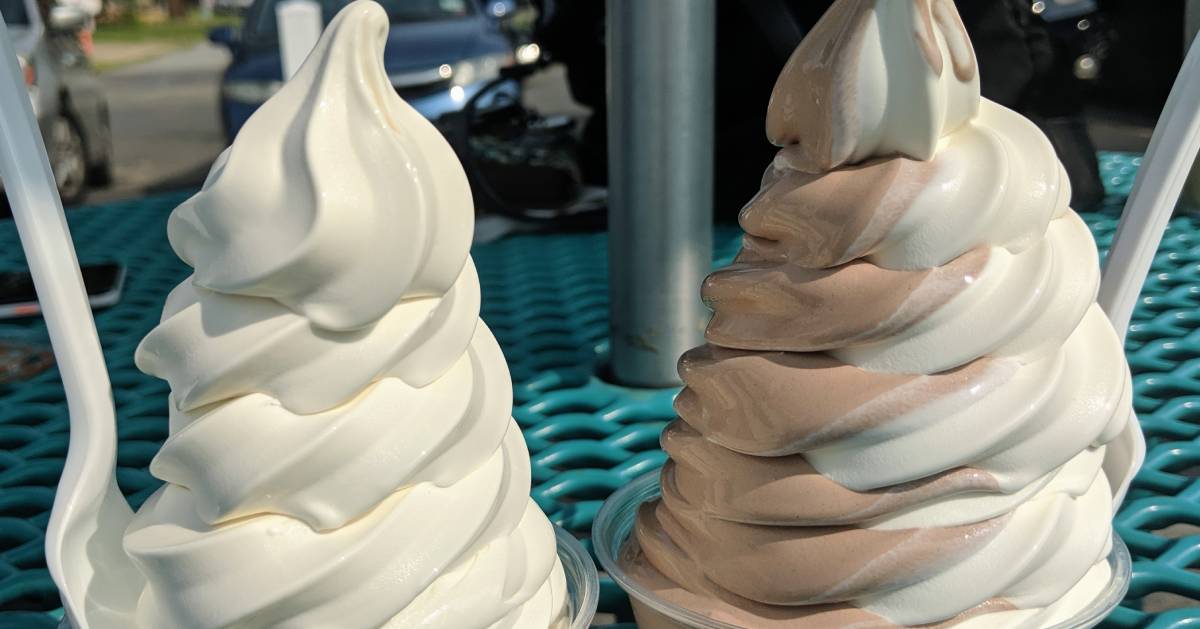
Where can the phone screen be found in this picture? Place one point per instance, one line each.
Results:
(16, 287)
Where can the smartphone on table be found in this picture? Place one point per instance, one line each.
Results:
(19, 299)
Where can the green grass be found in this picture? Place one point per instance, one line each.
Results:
(183, 31)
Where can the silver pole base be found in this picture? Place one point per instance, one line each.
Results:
(660, 155)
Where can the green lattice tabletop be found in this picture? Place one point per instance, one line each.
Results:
(546, 298)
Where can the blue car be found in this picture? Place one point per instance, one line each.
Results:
(439, 54)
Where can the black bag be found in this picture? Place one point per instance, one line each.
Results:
(1022, 67)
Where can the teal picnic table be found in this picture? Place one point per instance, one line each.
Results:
(546, 298)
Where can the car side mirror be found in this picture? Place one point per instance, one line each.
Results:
(66, 18)
(223, 36)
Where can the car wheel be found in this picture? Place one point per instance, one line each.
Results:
(68, 160)
(100, 172)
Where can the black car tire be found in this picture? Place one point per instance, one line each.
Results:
(100, 171)
(100, 174)
(68, 159)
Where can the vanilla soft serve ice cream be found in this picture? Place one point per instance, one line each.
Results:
(341, 449)
(902, 413)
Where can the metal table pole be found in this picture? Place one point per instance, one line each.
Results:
(660, 156)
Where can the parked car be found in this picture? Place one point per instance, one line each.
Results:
(439, 54)
(231, 7)
(67, 98)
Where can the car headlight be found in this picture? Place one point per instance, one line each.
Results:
(30, 74)
(27, 70)
(528, 53)
(475, 69)
(252, 92)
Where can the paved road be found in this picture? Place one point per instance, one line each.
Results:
(164, 121)
(166, 130)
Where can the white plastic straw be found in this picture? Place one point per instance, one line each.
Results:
(1173, 148)
(84, 508)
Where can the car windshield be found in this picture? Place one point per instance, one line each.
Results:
(261, 27)
(15, 12)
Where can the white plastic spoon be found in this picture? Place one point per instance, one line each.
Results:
(1165, 168)
(89, 514)
(1173, 149)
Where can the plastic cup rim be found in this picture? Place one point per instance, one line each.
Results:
(615, 519)
(581, 573)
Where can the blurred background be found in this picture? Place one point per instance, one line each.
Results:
(139, 96)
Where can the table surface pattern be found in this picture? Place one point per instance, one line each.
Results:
(546, 298)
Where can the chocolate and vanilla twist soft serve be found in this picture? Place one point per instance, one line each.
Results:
(901, 413)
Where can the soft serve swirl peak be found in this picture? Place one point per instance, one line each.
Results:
(341, 449)
(901, 414)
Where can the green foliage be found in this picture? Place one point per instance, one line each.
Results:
(183, 31)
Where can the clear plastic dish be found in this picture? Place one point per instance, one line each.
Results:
(583, 586)
(614, 523)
